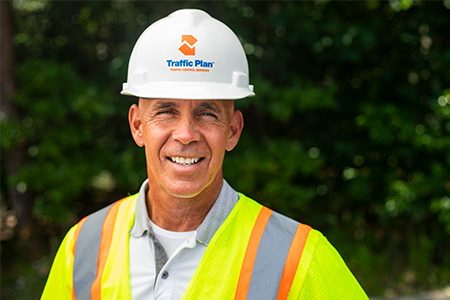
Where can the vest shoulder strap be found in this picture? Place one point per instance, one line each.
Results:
(102, 240)
(254, 255)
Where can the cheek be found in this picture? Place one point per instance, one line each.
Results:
(154, 134)
(218, 142)
(154, 140)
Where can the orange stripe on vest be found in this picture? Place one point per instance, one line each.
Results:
(77, 232)
(105, 244)
(250, 254)
(292, 261)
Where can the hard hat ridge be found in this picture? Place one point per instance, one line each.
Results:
(189, 17)
(188, 55)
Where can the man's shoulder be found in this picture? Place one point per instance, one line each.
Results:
(279, 220)
(282, 224)
(100, 215)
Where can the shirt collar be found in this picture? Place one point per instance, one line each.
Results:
(220, 210)
(141, 220)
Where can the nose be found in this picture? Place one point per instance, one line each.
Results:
(186, 131)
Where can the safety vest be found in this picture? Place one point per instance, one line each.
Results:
(255, 254)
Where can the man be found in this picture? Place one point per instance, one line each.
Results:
(187, 234)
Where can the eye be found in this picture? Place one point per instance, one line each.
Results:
(165, 112)
(208, 114)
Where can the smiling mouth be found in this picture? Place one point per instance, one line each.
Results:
(185, 161)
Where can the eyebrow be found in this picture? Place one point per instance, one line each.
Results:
(164, 104)
(204, 105)
(211, 106)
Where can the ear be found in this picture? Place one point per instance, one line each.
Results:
(134, 119)
(237, 123)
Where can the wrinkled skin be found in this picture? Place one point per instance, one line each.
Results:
(201, 131)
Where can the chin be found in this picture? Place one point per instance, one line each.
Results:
(185, 190)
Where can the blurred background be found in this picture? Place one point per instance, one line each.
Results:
(349, 131)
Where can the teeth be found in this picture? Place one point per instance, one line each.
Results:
(185, 161)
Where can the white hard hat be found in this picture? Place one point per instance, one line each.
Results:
(188, 55)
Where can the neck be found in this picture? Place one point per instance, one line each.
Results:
(181, 214)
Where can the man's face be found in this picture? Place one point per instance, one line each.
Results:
(185, 142)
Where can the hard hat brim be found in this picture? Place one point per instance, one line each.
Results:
(188, 91)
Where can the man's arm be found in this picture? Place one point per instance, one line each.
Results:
(323, 273)
(59, 283)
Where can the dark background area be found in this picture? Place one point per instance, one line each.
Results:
(349, 131)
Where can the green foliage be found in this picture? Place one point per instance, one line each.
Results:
(381, 124)
(349, 131)
(69, 131)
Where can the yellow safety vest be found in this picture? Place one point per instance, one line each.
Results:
(255, 254)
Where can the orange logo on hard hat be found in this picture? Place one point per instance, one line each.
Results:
(188, 45)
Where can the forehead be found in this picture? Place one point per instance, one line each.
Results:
(215, 105)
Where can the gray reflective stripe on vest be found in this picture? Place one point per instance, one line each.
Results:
(86, 254)
(271, 257)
